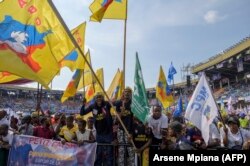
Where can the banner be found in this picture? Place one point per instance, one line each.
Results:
(31, 151)
(216, 76)
(240, 67)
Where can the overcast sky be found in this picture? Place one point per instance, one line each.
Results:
(182, 31)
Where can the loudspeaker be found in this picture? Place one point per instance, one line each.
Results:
(188, 81)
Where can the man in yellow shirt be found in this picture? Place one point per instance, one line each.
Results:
(68, 132)
(244, 122)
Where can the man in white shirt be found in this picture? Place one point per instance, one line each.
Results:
(158, 122)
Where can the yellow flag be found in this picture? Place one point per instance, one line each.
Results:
(108, 9)
(75, 60)
(90, 92)
(87, 75)
(100, 76)
(115, 88)
(32, 40)
(6, 77)
(163, 93)
(72, 86)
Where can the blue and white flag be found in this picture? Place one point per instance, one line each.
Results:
(202, 108)
(179, 108)
(171, 72)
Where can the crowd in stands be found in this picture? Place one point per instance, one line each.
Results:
(28, 105)
(239, 90)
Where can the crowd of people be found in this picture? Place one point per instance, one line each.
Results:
(123, 144)
(26, 106)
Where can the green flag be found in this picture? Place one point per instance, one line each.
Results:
(140, 106)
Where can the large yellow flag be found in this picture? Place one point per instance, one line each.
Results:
(6, 77)
(95, 87)
(163, 93)
(108, 9)
(32, 40)
(115, 89)
(87, 77)
(72, 86)
(75, 60)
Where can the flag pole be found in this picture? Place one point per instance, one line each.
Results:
(83, 84)
(173, 89)
(37, 95)
(82, 54)
(39, 103)
(124, 46)
(50, 94)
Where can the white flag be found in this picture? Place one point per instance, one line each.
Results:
(202, 108)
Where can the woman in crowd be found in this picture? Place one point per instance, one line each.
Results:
(232, 136)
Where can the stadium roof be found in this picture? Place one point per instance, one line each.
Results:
(239, 50)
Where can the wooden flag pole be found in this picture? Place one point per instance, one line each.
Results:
(50, 94)
(124, 46)
(95, 76)
(84, 92)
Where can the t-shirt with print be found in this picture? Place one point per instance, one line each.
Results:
(127, 115)
(140, 135)
(102, 117)
(157, 124)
